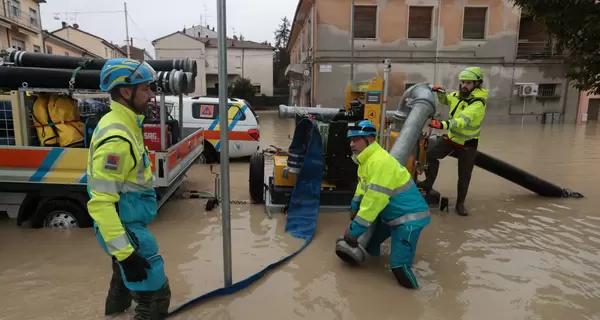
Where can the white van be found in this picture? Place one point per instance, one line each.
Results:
(244, 129)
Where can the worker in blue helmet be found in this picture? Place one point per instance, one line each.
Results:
(122, 197)
(386, 196)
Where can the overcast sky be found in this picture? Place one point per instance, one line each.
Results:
(152, 19)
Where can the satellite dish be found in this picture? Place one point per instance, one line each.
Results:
(56, 17)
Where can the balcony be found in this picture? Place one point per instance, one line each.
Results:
(13, 18)
(538, 50)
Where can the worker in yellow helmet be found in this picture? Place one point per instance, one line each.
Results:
(122, 197)
(467, 110)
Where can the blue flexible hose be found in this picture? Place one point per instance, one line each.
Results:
(302, 212)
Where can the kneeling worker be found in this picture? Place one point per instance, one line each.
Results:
(467, 110)
(122, 197)
(387, 196)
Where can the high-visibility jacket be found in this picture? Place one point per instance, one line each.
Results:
(466, 115)
(122, 197)
(386, 189)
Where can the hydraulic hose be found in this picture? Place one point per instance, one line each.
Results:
(50, 61)
(13, 78)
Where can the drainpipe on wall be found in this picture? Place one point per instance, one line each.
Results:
(243, 59)
(564, 93)
(312, 54)
(437, 42)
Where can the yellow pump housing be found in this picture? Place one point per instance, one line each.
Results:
(370, 93)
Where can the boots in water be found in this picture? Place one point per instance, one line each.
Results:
(152, 305)
(461, 209)
(118, 299)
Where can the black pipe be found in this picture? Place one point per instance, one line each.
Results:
(523, 178)
(13, 78)
(51, 61)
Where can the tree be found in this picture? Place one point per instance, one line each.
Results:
(575, 26)
(281, 58)
(241, 88)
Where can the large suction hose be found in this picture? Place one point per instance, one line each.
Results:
(45, 60)
(325, 113)
(13, 78)
(420, 102)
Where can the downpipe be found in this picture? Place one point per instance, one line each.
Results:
(417, 106)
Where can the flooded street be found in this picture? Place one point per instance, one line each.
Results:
(517, 256)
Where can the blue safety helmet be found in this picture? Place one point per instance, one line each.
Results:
(125, 71)
(363, 128)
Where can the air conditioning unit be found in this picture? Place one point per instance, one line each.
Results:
(528, 89)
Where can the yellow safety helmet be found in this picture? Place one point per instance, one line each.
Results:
(471, 74)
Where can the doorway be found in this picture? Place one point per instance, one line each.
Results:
(593, 106)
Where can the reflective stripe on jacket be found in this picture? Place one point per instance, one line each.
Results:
(466, 115)
(119, 179)
(386, 190)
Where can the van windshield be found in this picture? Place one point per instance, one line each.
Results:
(252, 110)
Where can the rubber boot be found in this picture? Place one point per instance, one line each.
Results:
(461, 209)
(119, 298)
(406, 277)
(152, 305)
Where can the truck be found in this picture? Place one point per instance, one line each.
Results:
(45, 186)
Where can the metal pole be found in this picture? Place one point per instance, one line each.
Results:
(386, 81)
(352, 42)
(163, 122)
(180, 116)
(127, 31)
(224, 139)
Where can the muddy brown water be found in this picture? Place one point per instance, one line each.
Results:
(518, 256)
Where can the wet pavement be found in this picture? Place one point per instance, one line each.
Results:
(518, 256)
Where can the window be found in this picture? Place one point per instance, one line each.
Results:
(18, 44)
(547, 90)
(420, 22)
(36, 48)
(310, 33)
(474, 23)
(238, 62)
(33, 17)
(365, 22)
(256, 88)
(15, 8)
(211, 111)
(49, 49)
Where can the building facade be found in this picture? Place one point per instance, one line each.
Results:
(92, 43)
(246, 59)
(518, 58)
(20, 25)
(54, 44)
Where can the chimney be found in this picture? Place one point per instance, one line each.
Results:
(213, 29)
(64, 24)
(208, 27)
(235, 37)
(241, 37)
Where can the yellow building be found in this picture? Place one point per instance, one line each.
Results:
(20, 25)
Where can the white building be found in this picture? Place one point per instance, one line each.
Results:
(246, 59)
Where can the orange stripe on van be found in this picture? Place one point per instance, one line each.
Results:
(22, 158)
(233, 135)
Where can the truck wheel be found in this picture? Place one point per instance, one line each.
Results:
(61, 214)
(257, 177)
(209, 154)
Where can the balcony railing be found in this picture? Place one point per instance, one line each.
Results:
(538, 50)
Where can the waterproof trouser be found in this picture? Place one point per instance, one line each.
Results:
(152, 295)
(402, 253)
(441, 148)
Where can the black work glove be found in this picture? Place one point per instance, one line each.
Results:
(350, 240)
(135, 267)
(353, 214)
